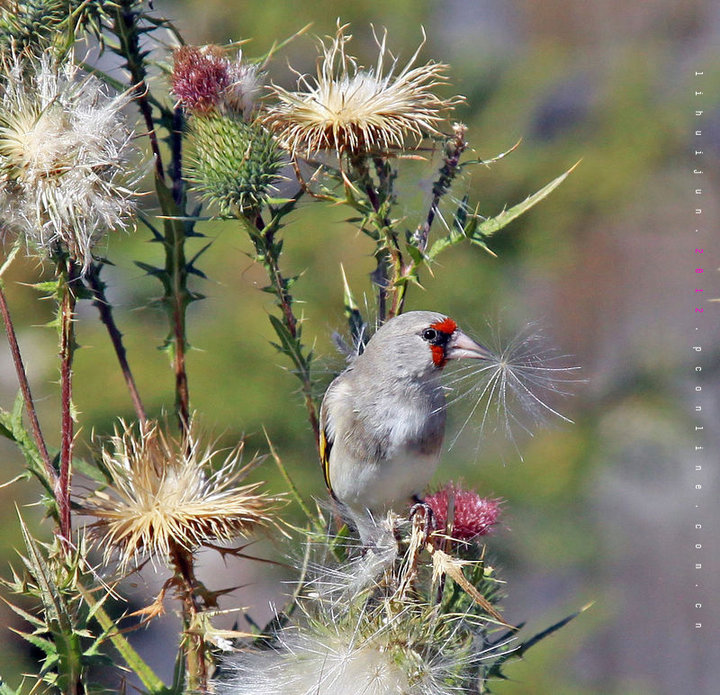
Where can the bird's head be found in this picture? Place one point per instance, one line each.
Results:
(423, 342)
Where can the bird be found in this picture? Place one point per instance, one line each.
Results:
(382, 420)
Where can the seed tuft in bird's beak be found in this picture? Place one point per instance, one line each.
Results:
(463, 346)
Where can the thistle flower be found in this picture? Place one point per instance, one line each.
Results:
(233, 161)
(64, 147)
(472, 515)
(354, 109)
(204, 79)
(200, 76)
(164, 493)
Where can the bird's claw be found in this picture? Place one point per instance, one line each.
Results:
(428, 518)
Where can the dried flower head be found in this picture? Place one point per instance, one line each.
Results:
(243, 92)
(164, 493)
(64, 148)
(471, 515)
(204, 79)
(353, 109)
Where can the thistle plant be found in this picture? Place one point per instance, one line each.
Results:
(417, 613)
(64, 155)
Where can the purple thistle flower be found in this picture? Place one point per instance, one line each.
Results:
(473, 515)
(200, 77)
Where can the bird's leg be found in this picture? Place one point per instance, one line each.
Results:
(427, 515)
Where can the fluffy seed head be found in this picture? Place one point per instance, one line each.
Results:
(243, 92)
(349, 108)
(64, 150)
(165, 493)
(472, 515)
(385, 634)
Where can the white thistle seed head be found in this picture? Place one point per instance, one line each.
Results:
(64, 151)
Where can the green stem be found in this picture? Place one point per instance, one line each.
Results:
(177, 267)
(388, 256)
(176, 295)
(194, 642)
(454, 148)
(267, 252)
(67, 275)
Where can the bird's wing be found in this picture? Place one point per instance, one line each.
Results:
(327, 437)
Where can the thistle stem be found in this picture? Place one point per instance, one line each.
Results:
(50, 472)
(268, 251)
(454, 149)
(126, 29)
(182, 391)
(177, 267)
(176, 136)
(388, 255)
(97, 287)
(195, 647)
(67, 300)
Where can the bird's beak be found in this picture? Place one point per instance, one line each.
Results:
(462, 346)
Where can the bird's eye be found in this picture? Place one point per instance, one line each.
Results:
(429, 334)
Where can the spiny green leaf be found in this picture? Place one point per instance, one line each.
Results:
(46, 645)
(517, 652)
(134, 661)
(152, 270)
(53, 604)
(49, 286)
(33, 620)
(145, 219)
(494, 224)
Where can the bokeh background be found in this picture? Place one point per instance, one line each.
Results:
(600, 511)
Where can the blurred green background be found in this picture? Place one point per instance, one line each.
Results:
(602, 510)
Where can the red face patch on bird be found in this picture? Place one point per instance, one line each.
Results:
(447, 325)
(438, 335)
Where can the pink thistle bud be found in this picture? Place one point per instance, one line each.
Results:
(200, 77)
(473, 515)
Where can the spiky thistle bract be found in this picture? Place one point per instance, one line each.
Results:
(232, 163)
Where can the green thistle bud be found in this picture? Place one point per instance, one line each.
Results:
(33, 26)
(233, 164)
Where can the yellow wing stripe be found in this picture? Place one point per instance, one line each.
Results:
(325, 446)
